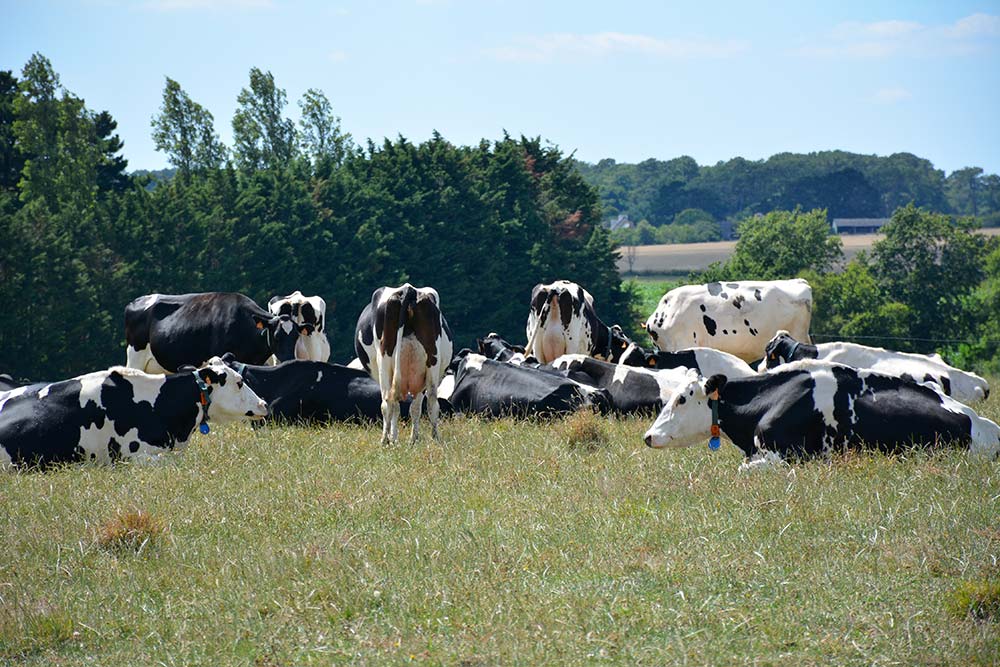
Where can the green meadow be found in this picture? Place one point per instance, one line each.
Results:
(506, 543)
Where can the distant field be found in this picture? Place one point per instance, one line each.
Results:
(678, 259)
(500, 545)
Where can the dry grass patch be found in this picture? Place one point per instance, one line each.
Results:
(584, 431)
(129, 531)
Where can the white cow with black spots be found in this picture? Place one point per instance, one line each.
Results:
(735, 317)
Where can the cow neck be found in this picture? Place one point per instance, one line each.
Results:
(742, 403)
(179, 406)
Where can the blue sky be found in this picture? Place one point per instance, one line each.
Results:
(628, 80)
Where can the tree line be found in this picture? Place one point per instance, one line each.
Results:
(680, 192)
(285, 207)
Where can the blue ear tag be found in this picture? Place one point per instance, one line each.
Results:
(714, 443)
(203, 428)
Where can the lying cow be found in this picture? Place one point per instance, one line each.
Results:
(630, 389)
(404, 342)
(705, 360)
(805, 409)
(119, 413)
(7, 382)
(738, 318)
(166, 331)
(496, 348)
(563, 321)
(309, 311)
(491, 388)
(960, 385)
(315, 392)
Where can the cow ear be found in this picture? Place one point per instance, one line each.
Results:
(228, 357)
(716, 383)
(652, 361)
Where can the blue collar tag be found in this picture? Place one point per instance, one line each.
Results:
(203, 427)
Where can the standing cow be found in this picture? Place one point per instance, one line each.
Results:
(960, 385)
(308, 311)
(404, 342)
(166, 331)
(563, 321)
(738, 317)
(119, 413)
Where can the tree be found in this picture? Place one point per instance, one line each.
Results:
(320, 133)
(964, 190)
(11, 157)
(930, 264)
(778, 245)
(111, 168)
(263, 138)
(185, 131)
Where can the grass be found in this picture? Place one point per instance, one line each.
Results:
(503, 544)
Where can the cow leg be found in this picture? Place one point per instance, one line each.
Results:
(433, 410)
(386, 419)
(416, 407)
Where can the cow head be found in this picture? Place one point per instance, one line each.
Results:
(686, 417)
(618, 343)
(226, 396)
(281, 334)
(634, 355)
(781, 349)
(495, 347)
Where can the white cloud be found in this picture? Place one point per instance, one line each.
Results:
(571, 46)
(183, 5)
(882, 39)
(892, 95)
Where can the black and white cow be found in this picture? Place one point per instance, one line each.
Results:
(490, 388)
(562, 321)
(315, 392)
(806, 409)
(496, 348)
(166, 331)
(313, 345)
(736, 317)
(7, 382)
(119, 413)
(630, 389)
(961, 385)
(703, 359)
(404, 342)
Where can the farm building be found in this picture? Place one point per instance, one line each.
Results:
(858, 225)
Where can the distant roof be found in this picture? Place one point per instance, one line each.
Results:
(859, 222)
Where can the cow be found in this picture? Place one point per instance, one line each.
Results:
(562, 321)
(119, 413)
(405, 343)
(807, 409)
(7, 382)
(705, 360)
(736, 317)
(166, 331)
(631, 390)
(496, 348)
(314, 391)
(311, 310)
(960, 385)
(490, 388)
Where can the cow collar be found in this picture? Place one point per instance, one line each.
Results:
(205, 398)
(713, 441)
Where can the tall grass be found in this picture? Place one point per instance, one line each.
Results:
(504, 543)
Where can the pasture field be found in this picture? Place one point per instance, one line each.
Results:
(502, 544)
(676, 260)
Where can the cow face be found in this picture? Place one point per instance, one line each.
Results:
(618, 344)
(282, 334)
(231, 399)
(686, 417)
(778, 351)
(636, 356)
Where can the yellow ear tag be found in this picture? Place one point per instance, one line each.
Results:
(652, 362)
(260, 325)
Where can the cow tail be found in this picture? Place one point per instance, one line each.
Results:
(543, 314)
